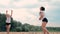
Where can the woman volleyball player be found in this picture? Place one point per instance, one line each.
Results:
(8, 21)
(44, 20)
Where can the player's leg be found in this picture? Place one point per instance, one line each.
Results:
(44, 28)
(8, 28)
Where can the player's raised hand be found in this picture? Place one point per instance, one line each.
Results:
(11, 12)
(6, 11)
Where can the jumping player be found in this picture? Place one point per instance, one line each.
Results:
(44, 20)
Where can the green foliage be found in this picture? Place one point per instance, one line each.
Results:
(19, 27)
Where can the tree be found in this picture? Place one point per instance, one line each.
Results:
(17, 26)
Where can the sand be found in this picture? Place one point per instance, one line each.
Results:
(29, 32)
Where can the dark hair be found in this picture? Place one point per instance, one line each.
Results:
(42, 8)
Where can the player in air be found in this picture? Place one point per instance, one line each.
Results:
(43, 19)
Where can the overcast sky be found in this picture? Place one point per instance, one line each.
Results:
(27, 11)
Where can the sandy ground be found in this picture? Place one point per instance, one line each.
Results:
(29, 32)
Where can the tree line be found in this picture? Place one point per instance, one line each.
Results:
(17, 26)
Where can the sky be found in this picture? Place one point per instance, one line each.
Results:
(27, 11)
